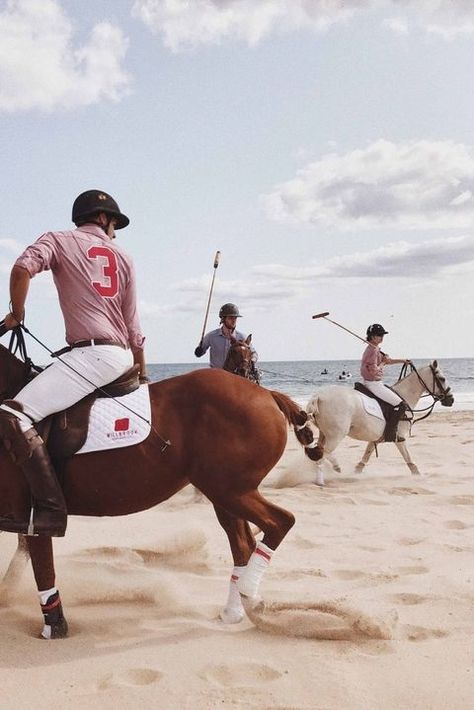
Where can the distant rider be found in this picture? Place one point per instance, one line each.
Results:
(371, 370)
(219, 340)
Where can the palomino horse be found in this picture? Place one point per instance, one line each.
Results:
(339, 412)
(225, 434)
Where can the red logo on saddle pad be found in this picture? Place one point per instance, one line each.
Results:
(122, 424)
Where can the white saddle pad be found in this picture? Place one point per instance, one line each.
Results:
(112, 425)
(371, 406)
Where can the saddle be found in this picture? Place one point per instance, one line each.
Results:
(66, 432)
(386, 408)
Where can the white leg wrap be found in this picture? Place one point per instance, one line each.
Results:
(249, 581)
(44, 596)
(233, 611)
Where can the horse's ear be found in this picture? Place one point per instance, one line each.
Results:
(435, 364)
(248, 339)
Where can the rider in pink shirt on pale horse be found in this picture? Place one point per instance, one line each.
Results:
(371, 370)
(95, 281)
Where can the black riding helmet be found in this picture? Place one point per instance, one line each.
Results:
(376, 329)
(229, 309)
(91, 203)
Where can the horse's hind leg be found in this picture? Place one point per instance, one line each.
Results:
(242, 544)
(41, 553)
(272, 520)
(365, 458)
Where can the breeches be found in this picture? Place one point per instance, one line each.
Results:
(77, 374)
(380, 390)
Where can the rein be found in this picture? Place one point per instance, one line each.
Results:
(430, 392)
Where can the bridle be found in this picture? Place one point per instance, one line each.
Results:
(243, 365)
(437, 390)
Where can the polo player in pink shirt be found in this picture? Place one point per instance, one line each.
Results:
(95, 281)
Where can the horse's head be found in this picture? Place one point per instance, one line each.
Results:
(440, 388)
(14, 374)
(239, 357)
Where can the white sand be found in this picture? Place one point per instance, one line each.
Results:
(369, 600)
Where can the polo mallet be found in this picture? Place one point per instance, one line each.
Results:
(326, 313)
(216, 264)
(3, 330)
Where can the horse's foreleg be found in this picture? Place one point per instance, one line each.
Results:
(42, 560)
(401, 446)
(242, 544)
(15, 570)
(273, 521)
(370, 448)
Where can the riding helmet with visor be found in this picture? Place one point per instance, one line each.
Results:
(229, 309)
(93, 202)
(376, 329)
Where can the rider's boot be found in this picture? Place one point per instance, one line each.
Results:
(391, 427)
(48, 514)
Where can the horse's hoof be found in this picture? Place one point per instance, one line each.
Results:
(232, 616)
(254, 605)
(359, 468)
(58, 630)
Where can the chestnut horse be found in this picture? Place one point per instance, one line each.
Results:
(225, 435)
(239, 360)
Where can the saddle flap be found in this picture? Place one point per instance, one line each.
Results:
(68, 429)
(384, 406)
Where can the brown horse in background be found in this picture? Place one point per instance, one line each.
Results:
(239, 360)
(225, 435)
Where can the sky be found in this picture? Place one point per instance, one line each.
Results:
(324, 147)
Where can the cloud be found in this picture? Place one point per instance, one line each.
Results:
(408, 185)
(40, 68)
(403, 260)
(268, 286)
(185, 25)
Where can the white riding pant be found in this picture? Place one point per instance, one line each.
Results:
(77, 374)
(378, 388)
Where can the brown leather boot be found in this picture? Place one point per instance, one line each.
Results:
(48, 514)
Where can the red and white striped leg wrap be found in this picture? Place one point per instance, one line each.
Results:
(249, 581)
(233, 611)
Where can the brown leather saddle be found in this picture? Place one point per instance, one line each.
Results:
(66, 432)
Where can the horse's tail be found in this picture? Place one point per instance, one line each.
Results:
(299, 419)
(312, 412)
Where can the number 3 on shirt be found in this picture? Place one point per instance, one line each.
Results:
(108, 286)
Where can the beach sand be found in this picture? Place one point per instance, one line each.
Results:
(369, 599)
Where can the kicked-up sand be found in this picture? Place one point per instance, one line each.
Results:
(369, 601)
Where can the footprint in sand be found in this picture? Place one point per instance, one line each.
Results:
(407, 491)
(349, 574)
(409, 599)
(419, 633)
(130, 677)
(408, 541)
(412, 570)
(240, 674)
(455, 525)
(462, 500)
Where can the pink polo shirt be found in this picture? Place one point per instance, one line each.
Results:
(95, 280)
(371, 365)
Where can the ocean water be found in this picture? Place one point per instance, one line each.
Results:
(301, 378)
